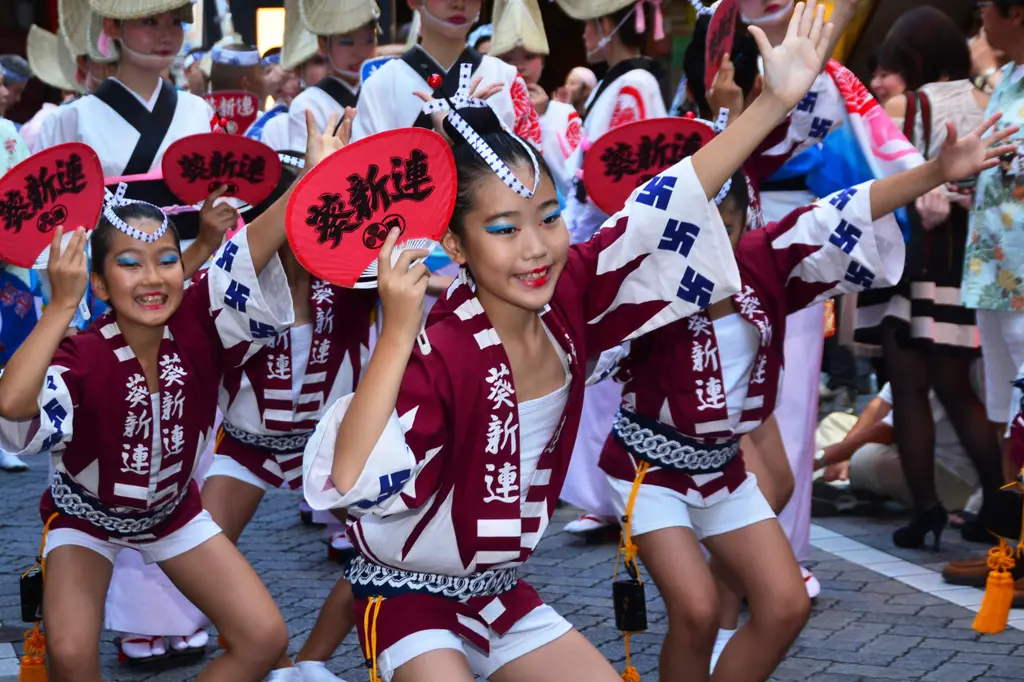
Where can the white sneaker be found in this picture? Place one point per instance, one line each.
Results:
(9, 462)
(587, 523)
(811, 583)
(314, 671)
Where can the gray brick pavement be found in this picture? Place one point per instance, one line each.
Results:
(863, 627)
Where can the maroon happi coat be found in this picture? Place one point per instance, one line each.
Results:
(126, 461)
(673, 375)
(256, 399)
(441, 489)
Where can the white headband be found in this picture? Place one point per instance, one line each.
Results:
(461, 100)
(235, 57)
(116, 199)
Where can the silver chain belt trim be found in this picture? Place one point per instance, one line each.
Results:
(659, 449)
(80, 506)
(486, 584)
(281, 445)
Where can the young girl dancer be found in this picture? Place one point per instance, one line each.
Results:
(387, 101)
(271, 406)
(133, 117)
(348, 37)
(456, 446)
(697, 385)
(125, 474)
(614, 34)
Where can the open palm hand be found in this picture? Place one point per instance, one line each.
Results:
(790, 68)
(969, 155)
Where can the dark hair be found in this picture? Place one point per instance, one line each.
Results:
(738, 197)
(924, 46)
(627, 32)
(271, 52)
(873, 60)
(471, 168)
(744, 58)
(17, 65)
(228, 76)
(1004, 6)
(103, 236)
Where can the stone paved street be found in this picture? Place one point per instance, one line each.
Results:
(864, 626)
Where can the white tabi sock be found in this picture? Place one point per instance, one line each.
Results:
(721, 639)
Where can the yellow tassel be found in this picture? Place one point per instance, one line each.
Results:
(33, 663)
(995, 606)
(630, 674)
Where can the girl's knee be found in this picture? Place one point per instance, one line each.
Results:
(263, 639)
(73, 657)
(785, 614)
(697, 617)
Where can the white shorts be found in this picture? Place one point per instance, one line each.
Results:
(1002, 347)
(657, 508)
(227, 466)
(194, 533)
(541, 626)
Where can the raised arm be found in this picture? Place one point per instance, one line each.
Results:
(266, 233)
(23, 377)
(790, 69)
(402, 292)
(214, 222)
(959, 158)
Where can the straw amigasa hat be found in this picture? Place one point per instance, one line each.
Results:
(335, 17)
(299, 45)
(585, 10)
(138, 9)
(51, 60)
(517, 23)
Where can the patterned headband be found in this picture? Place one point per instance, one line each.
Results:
(246, 57)
(193, 58)
(291, 160)
(462, 100)
(704, 9)
(11, 76)
(116, 199)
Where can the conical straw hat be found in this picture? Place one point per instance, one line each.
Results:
(518, 23)
(74, 16)
(336, 17)
(51, 60)
(299, 45)
(585, 10)
(137, 9)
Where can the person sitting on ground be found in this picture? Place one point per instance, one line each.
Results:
(862, 452)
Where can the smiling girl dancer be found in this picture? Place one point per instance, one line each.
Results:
(696, 386)
(388, 102)
(118, 486)
(456, 447)
(614, 33)
(130, 121)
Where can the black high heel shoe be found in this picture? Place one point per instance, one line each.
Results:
(984, 526)
(912, 535)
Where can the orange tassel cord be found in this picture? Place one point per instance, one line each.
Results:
(33, 663)
(627, 553)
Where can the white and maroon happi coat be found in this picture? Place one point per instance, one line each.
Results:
(126, 458)
(441, 492)
(673, 375)
(257, 398)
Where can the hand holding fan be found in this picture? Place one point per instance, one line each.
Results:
(62, 185)
(340, 213)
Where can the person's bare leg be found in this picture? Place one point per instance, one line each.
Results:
(676, 564)
(232, 503)
(762, 561)
(440, 665)
(570, 658)
(77, 579)
(238, 603)
(768, 470)
(335, 621)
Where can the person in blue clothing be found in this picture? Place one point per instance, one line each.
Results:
(15, 73)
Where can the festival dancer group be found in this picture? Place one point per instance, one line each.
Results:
(448, 446)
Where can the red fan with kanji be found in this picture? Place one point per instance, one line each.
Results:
(194, 166)
(628, 156)
(236, 110)
(62, 185)
(340, 214)
(721, 35)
